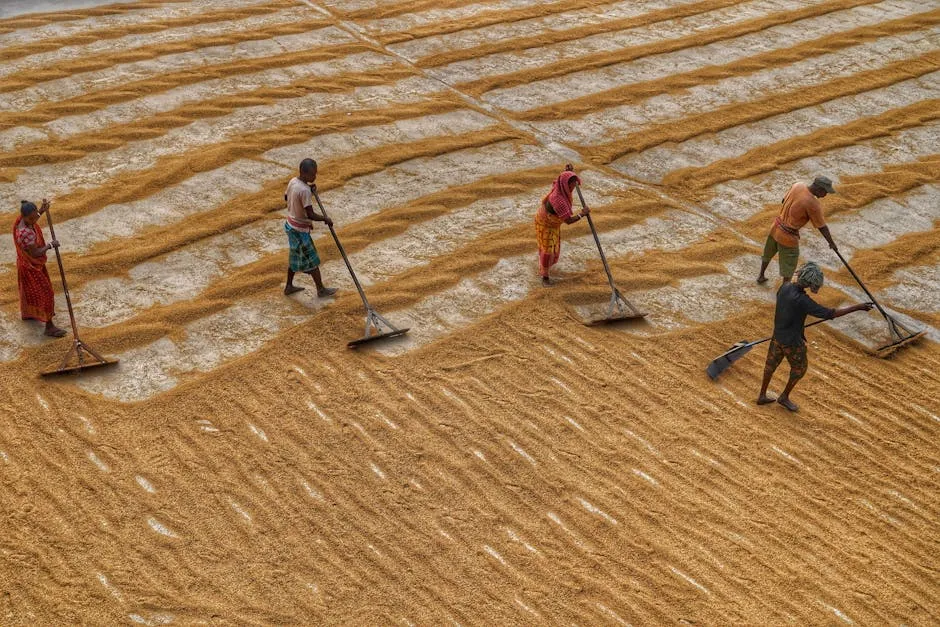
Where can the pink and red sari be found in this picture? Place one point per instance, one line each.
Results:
(548, 223)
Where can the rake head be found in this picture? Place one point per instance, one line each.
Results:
(85, 359)
(79, 368)
(724, 361)
(619, 309)
(377, 328)
(901, 337)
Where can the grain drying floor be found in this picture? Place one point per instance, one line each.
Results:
(503, 464)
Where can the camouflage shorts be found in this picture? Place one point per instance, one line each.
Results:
(795, 355)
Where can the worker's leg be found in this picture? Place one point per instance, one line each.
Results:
(788, 259)
(796, 355)
(290, 288)
(322, 290)
(774, 357)
(770, 249)
(53, 331)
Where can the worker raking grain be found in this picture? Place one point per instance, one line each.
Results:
(789, 342)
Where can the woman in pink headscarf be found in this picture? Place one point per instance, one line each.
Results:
(554, 209)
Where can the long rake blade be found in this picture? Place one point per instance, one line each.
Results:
(724, 361)
(377, 328)
(901, 337)
(619, 309)
(82, 361)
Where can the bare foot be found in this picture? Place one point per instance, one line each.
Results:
(546, 282)
(326, 291)
(788, 403)
(761, 279)
(763, 399)
(292, 289)
(54, 331)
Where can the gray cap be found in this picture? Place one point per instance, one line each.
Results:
(825, 183)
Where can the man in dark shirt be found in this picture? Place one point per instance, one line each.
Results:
(793, 305)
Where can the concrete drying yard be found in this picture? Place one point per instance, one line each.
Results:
(502, 463)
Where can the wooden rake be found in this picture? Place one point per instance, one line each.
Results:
(619, 308)
(85, 357)
(900, 335)
(377, 327)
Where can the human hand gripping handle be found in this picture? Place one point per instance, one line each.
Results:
(324, 218)
(824, 230)
(53, 243)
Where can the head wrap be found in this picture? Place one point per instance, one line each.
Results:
(810, 275)
(560, 196)
(26, 208)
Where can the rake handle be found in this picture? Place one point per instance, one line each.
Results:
(861, 285)
(342, 251)
(600, 249)
(767, 339)
(65, 286)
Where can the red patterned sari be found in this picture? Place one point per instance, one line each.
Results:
(37, 301)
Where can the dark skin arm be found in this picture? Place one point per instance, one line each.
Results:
(842, 311)
(39, 251)
(825, 233)
(819, 192)
(574, 218)
(316, 217)
(313, 215)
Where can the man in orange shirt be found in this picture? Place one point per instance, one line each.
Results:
(800, 205)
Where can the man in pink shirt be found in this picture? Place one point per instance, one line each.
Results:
(300, 217)
(800, 205)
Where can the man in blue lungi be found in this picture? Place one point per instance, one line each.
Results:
(300, 218)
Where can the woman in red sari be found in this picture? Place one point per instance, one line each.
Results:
(37, 301)
(554, 209)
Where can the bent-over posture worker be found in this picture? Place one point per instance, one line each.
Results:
(793, 305)
(800, 205)
(554, 209)
(300, 218)
(37, 300)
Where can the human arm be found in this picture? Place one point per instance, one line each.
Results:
(27, 241)
(816, 310)
(316, 217)
(584, 211)
(308, 206)
(39, 251)
(842, 311)
(824, 230)
(814, 211)
(571, 219)
(574, 218)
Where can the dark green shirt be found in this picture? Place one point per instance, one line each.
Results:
(793, 305)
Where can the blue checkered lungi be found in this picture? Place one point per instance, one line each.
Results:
(303, 254)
